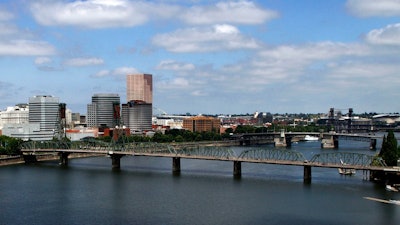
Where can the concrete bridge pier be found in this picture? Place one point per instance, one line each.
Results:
(372, 144)
(237, 169)
(63, 158)
(330, 141)
(176, 165)
(307, 174)
(116, 160)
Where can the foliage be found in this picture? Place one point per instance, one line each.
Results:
(9, 145)
(390, 152)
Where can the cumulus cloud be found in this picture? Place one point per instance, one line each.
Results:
(42, 60)
(25, 48)
(5, 15)
(83, 61)
(371, 8)
(237, 12)
(390, 35)
(98, 13)
(118, 73)
(205, 39)
(175, 66)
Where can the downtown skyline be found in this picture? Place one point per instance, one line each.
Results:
(206, 57)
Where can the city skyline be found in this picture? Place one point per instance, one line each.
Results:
(206, 57)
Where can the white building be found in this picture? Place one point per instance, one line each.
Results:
(43, 120)
(18, 114)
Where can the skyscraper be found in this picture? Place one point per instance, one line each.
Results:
(104, 110)
(44, 109)
(139, 87)
(137, 113)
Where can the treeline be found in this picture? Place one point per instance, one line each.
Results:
(390, 152)
(9, 145)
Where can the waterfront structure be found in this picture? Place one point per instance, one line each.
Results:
(201, 124)
(137, 116)
(103, 111)
(139, 87)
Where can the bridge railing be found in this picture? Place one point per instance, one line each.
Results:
(207, 152)
(346, 158)
(272, 154)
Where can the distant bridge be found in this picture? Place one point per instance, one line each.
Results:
(284, 139)
(149, 149)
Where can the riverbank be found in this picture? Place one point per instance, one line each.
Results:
(14, 160)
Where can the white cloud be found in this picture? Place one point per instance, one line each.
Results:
(205, 39)
(175, 66)
(42, 60)
(83, 62)
(26, 48)
(390, 35)
(237, 12)
(5, 15)
(370, 8)
(119, 73)
(98, 13)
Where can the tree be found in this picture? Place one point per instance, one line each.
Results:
(390, 152)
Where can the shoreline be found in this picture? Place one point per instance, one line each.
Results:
(16, 160)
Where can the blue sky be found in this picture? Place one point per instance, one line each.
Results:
(207, 57)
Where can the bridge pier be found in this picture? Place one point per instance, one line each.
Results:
(63, 158)
(372, 144)
(116, 160)
(30, 159)
(176, 165)
(307, 174)
(330, 142)
(237, 169)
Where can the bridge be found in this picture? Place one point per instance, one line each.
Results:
(328, 140)
(253, 155)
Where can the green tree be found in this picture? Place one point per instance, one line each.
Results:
(390, 152)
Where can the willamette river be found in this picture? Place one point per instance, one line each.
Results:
(145, 191)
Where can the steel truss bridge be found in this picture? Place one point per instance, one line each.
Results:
(252, 155)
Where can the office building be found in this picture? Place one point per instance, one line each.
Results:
(137, 116)
(104, 111)
(137, 113)
(202, 124)
(44, 121)
(139, 87)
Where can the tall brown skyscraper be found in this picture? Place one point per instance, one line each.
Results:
(139, 87)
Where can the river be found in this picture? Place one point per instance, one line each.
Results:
(145, 191)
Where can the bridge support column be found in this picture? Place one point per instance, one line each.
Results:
(372, 144)
(330, 142)
(307, 174)
(29, 159)
(237, 168)
(176, 165)
(63, 158)
(116, 161)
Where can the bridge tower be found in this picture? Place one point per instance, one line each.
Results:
(349, 120)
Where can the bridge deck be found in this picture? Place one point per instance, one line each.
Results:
(217, 158)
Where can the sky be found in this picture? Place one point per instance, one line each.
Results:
(206, 57)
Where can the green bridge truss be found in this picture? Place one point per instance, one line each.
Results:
(208, 152)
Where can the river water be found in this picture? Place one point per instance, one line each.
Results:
(145, 191)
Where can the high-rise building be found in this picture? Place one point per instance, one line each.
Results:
(139, 87)
(138, 112)
(137, 116)
(103, 111)
(44, 109)
(45, 120)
